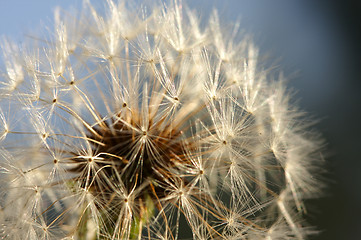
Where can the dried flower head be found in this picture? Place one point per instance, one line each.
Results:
(143, 125)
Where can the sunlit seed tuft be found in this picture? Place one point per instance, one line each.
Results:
(140, 124)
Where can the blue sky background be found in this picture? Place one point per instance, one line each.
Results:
(318, 47)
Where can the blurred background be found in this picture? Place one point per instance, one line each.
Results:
(317, 44)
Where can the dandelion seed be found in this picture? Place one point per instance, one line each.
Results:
(140, 125)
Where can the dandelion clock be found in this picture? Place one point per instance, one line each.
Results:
(137, 123)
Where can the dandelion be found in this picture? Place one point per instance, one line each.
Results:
(138, 124)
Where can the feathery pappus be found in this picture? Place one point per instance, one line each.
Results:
(138, 123)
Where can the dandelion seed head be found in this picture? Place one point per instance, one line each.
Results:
(138, 123)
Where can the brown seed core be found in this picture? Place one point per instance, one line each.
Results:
(128, 161)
